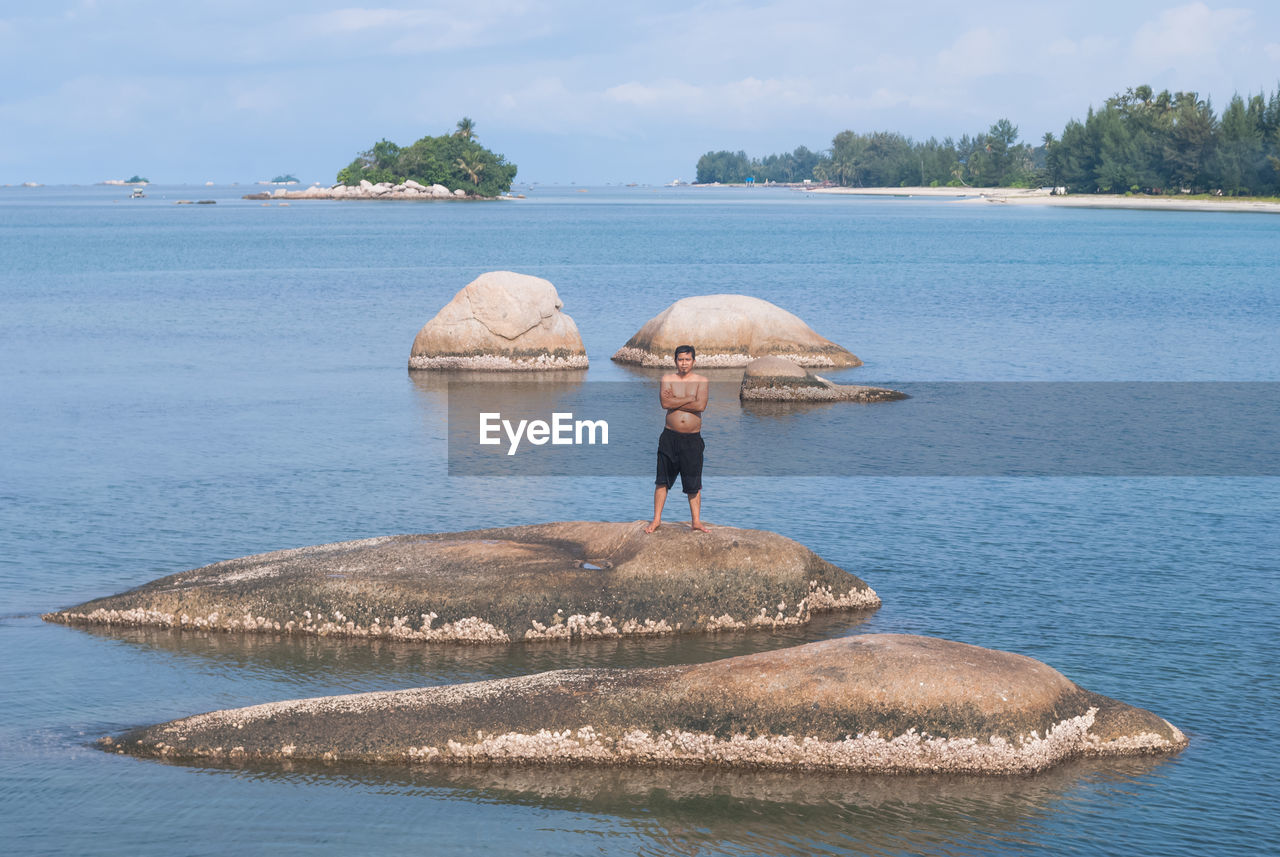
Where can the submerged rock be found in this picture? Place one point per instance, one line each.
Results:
(541, 582)
(779, 379)
(883, 702)
(504, 321)
(730, 330)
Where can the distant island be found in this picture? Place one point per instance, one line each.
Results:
(456, 161)
(451, 166)
(131, 180)
(1138, 142)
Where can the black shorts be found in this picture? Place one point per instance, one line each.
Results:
(680, 453)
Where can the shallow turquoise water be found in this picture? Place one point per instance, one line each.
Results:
(186, 384)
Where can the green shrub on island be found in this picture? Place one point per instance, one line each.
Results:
(137, 180)
(454, 160)
(287, 178)
(1171, 143)
(887, 159)
(1138, 142)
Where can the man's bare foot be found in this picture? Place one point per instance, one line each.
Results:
(652, 527)
(700, 527)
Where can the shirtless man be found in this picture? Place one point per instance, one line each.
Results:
(684, 398)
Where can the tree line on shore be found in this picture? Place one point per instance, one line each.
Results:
(1139, 141)
(454, 160)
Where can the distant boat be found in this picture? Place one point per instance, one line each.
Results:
(137, 193)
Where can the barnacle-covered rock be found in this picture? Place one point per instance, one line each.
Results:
(882, 702)
(555, 581)
(778, 379)
(502, 321)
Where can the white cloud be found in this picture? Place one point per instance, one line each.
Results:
(115, 105)
(425, 28)
(91, 101)
(1061, 48)
(545, 104)
(663, 94)
(1193, 31)
(1273, 51)
(748, 96)
(357, 20)
(977, 53)
(265, 100)
(548, 103)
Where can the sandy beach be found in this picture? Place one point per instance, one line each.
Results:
(1042, 196)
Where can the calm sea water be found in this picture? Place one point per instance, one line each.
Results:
(184, 384)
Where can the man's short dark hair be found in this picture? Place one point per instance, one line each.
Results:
(689, 348)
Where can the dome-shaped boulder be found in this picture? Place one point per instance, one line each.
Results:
(884, 703)
(502, 321)
(730, 330)
(541, 582)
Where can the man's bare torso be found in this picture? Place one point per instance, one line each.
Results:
(683, 421)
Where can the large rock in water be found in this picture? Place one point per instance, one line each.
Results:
(500, 320)
(730, 330)
(777, 379)
(886, 703)
(540, 582)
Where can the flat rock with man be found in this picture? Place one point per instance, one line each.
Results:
(683, 395)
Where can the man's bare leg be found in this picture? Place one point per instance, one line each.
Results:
(695, 510)
(659, 500)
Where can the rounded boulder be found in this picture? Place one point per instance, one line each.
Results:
(541, 582)
(730, 330)
(501, 321)
(885, 703)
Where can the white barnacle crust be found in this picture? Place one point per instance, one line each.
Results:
(726, 623)
(472, 629)
(579, 626)
(912, 751)
(643, 357)
(821, 598)
(499, 362)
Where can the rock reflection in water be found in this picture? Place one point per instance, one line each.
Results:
(331, 665)
(713, 812)
(438, 380)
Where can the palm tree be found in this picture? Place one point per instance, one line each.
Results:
(466, 128)
(472, 168)
(1052, 160)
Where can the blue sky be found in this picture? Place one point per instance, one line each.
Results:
(188, 92)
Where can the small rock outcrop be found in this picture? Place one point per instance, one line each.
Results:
(409, 189)
(777, 379)
(556, 581)
(502, 321)
(730, 330)
(880, 702)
